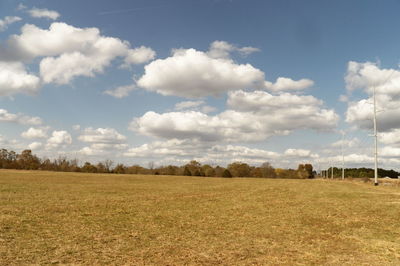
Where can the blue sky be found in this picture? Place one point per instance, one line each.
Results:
(217, 81)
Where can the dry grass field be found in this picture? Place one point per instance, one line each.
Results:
(73, 218)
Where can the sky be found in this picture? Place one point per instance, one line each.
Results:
(217, 81)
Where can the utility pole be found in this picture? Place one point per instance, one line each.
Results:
(342, 155)
(376, 143)
(332, 172)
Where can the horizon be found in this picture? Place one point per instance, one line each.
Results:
(216, 81)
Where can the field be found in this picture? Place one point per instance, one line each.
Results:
(73, 218)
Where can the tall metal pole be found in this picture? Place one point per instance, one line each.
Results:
(342, 156)
(376, 144)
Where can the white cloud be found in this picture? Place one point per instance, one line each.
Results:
(254, 116)
(172, 147)
(102, 135)
(386, 82)
(391, 137)
(19, 118)
(58, 39)
(343, 98)
(21, 7)
(182, 150)
(43, 13)
(35, 145)
(35, 133)
(102, 140)
(69, 51)
(76, 127)
(288, 84)
(350, 159)
(245, 51)
(208, 109)
(14, 79)
(7, 21)
(222, 49)
(195, 106)
(347, 143)
(389, 151)
(360, 113)
(368, 75)
(12, 144)
(140, 55)
(188, 105)
(59, 139)
(63, 69)
(190, 73)
(300, 153)
(120, 92)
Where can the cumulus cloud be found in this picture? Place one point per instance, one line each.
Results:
(343, 98)
(12, 144)
(140, 55)
(253, 116)
(389, 151)
(19, 118)
(288, 84)
(102, 140)
(182, 150)
(76, 127)
(7, 21)
(300, 153)
(386, 82)
(63, 69)
(195, 106)
(391, 137)
(222, 49)
(172, 147)
(35, 133)
(59, 139)
(101, 135)
(121, 91)
(190, 73)
(43, 13)
(368, 75)
(69, 51)
(35, 145)
(350, 159)
(347, 143)
(188, 105)
(15, 79)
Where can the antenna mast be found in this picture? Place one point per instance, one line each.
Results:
(342, 156)
(376, 144)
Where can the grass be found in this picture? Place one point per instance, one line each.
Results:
(74, 218)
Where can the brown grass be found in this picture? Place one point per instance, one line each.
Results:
(71, 218)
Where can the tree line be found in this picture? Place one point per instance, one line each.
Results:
(26, 160)
(361, 172)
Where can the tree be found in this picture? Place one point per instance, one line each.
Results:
(267, 170)
(89, 168)
(26, 160)
(197, 173)
(108, 164)
(226, 174)
(119, 169)
(309, 169)
(207, 170)
(193, 166)
(239, 169)
(186, 171)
